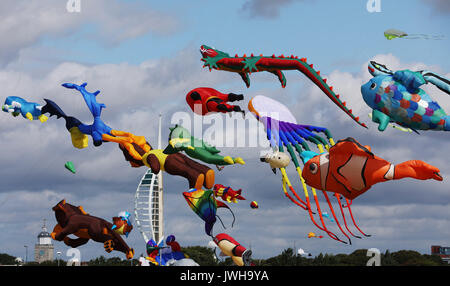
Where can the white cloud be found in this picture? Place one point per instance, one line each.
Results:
(134, 96)
(394, 213)
(26, 22)
(265, 8)
(440, 6)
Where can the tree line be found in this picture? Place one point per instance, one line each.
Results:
(207, 257)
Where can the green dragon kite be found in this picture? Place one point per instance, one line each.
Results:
(180, 139)
(215, 59)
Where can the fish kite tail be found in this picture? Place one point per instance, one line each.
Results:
(447, 123)
(439, 81)
(416, 169)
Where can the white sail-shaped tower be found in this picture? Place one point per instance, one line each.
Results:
(148, 203)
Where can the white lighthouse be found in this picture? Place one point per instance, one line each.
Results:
(43, 250)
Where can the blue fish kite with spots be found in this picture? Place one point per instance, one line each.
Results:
(396, 97)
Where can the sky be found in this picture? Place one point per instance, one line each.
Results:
(144, 58)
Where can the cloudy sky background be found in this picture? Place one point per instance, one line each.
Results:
(144, 57)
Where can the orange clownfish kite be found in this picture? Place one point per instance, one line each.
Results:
(350, 169)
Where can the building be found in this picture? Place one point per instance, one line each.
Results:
(44, 249)
(443, 252)
(148, 203)
(149, 207)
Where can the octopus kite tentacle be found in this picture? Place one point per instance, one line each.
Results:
(343, 216)
(288, 135)
(334, 216)
(353, 219)
(294, 138)
(285, 180)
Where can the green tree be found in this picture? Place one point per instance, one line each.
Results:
(113, 261)
(358, 257)
(50, 263)
(206, 257)
(287, 257)
(226, 262)
(408, 257)
(202, 255)
(6, 259)
(318, 260)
